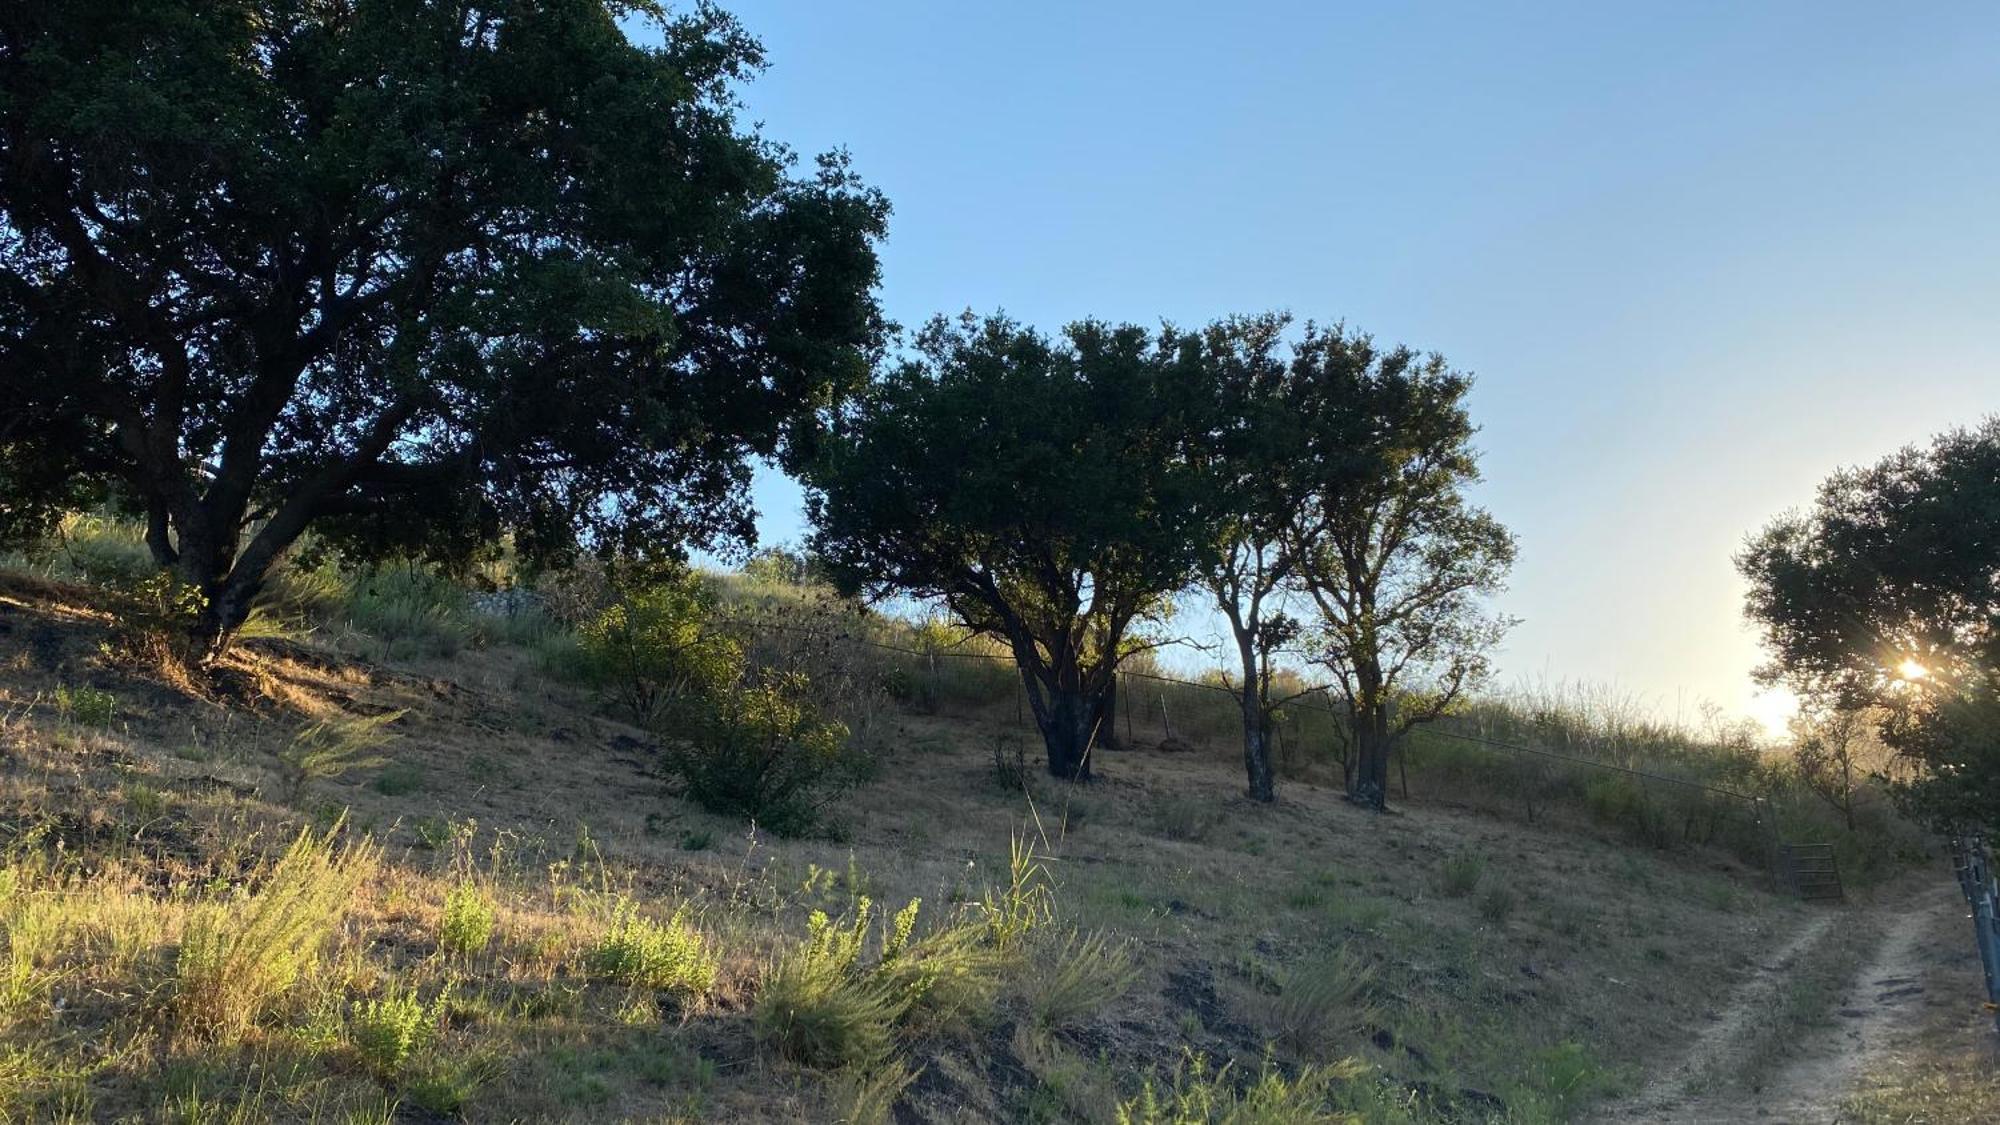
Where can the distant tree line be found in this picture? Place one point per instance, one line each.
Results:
(418, 277)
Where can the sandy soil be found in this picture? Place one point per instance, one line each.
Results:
(1878, 1012)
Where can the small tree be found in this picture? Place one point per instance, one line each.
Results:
(1040, 489)
(1834, 749)
(1884, 596)
(410, 274)
(1257, 458)
(1391, 554)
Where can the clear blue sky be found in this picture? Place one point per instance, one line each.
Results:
(1697, 255)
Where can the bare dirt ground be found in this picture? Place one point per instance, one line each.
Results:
(1911, 982)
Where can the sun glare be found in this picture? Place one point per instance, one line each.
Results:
(1909, 669)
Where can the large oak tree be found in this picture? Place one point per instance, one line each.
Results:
(409, 273)
(1041, 489)
(1885, 596)
(1395, 558)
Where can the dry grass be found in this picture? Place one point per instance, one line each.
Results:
(163, 831)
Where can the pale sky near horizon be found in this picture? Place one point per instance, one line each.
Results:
(1698, 256)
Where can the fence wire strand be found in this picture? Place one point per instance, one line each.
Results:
(1296, 701)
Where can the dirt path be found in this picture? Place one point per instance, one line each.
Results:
(1883, 1004)
(1879, 1005)
(1666, 1096)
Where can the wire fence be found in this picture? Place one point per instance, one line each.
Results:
(1303, 701)
(1459, 760)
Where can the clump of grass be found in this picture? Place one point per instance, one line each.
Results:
(1087, 972)
(331, 747)
(1321, 999)
(1496, 905)
(1199, 1095)
(1460, 873)
(1184, 818)
(668, 956)
(826, 1005)
(467, 924)
(239, 954)
(868, 1097)
(399, 779)
(147, 803)
(1010, 763)
(816, 1007)
(410, 610)
(1025, 903)
(86, 706)
(388, 1030)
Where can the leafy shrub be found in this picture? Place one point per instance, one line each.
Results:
(1460, 873)
(238, 954)
(764, 753)
(1321, 999)
(576, 594)
(1624, 804)
(658, 646)
(104, 552)
(668, 957)
(1199, 1095)
(86, 706)
(1082, 975)
(467, 924)
(388, 1030)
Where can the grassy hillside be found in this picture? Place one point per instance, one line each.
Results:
(405, 866)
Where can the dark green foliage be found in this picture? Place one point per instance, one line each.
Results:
(1040, 488)
(659, 645)
(411, 274)
(1393, 556)
(763, 752)
(1886, 595)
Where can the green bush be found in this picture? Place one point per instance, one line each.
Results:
(819, 1008)
(103, 552)
(764, 753)
(659, 646)
(86, 706)
(668, 957)
(1623, 803)
(467, 924)
(386, 1031)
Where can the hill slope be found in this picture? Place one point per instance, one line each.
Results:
(1472, 969)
